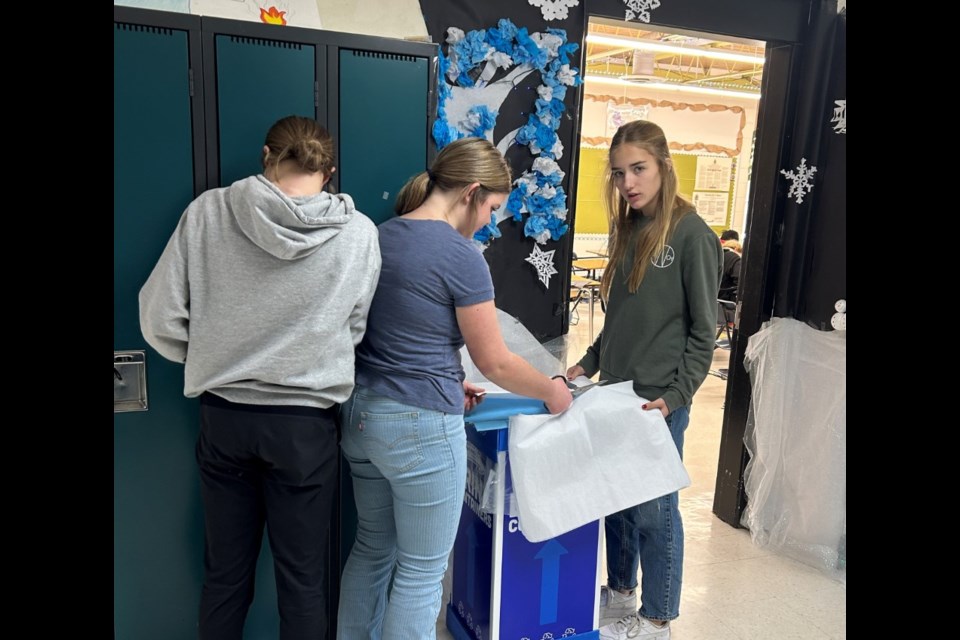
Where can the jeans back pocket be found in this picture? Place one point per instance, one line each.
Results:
(392, 440)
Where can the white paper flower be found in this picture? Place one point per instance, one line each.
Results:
(557, 150)
(547, 167)
(501, 59)
(548, 41)
(566, 75)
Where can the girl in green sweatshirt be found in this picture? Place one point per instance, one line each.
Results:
(660, 287)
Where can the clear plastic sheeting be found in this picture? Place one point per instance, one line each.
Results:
(796, 435)
(520, 341)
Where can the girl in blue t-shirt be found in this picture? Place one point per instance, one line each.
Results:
(403, 428)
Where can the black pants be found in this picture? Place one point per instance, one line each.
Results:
(275, 465)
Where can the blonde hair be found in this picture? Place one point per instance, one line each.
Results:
(733, 245)
(670, 207)
(302, 140)
(457, 166)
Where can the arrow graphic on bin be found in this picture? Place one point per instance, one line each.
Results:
(549, 580)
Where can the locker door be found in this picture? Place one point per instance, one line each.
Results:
(258, 81)
(251, 83)
(158, 530)
(383, 126)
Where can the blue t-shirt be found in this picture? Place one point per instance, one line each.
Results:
(411, 350)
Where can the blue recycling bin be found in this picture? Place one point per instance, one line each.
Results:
(504, 586)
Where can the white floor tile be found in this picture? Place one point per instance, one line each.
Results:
(697, 622)
(767, 619)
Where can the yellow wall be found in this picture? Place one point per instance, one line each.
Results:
(591, 218)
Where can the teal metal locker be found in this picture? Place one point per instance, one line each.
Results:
(259, 81)
(382, 135)
(194, 98)
(158, 528)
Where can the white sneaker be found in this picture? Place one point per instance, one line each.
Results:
(614, 605)
(635, 626)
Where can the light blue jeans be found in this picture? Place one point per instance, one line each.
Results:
(409, 470)
(650, 534)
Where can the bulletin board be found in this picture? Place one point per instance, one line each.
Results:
(591, 217)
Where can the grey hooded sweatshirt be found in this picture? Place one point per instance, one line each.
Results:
(264, 296)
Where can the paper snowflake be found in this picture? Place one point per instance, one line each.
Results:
(802, 179)
(640, 9)
(543, 261)
(840, 116)
(554, 9)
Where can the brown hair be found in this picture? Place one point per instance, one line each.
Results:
(302, 140)
(670, 206)
(457, 166)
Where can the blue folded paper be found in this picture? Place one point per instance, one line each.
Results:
(495, 410)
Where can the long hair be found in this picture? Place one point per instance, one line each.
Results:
(669, 207)
(456, 167)
(300, 139)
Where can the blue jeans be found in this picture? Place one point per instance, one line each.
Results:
(650, 534)
(409, 470)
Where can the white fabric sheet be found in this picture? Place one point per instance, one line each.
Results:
(600, 456)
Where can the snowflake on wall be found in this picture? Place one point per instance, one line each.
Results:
(640, 9)
(802, 179)
(554, 9)
(543, 261)
(840, 116)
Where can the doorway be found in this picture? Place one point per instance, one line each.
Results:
(704, 91)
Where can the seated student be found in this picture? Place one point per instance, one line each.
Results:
(730, 282)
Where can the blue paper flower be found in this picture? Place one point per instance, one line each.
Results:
(482, 120)
(501, 38)
(528, 51)
(473, 49)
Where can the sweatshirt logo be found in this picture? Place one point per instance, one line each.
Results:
(665, 259)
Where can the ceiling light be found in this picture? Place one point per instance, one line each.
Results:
(689, 88)
(646, 45)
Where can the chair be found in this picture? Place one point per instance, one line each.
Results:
(726, 318)
(580, 288)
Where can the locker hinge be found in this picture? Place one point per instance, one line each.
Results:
(190, 78)
(316, 94)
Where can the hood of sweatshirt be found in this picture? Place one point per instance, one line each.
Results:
(284, 226)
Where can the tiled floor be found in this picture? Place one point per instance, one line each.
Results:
(732, 589)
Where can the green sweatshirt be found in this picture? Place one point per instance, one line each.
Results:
(662, 337)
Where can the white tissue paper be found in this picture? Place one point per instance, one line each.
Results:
(600, 456)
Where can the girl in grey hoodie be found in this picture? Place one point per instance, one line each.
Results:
(263, 292)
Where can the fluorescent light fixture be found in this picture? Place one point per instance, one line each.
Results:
(646, 45)
(688, 88)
